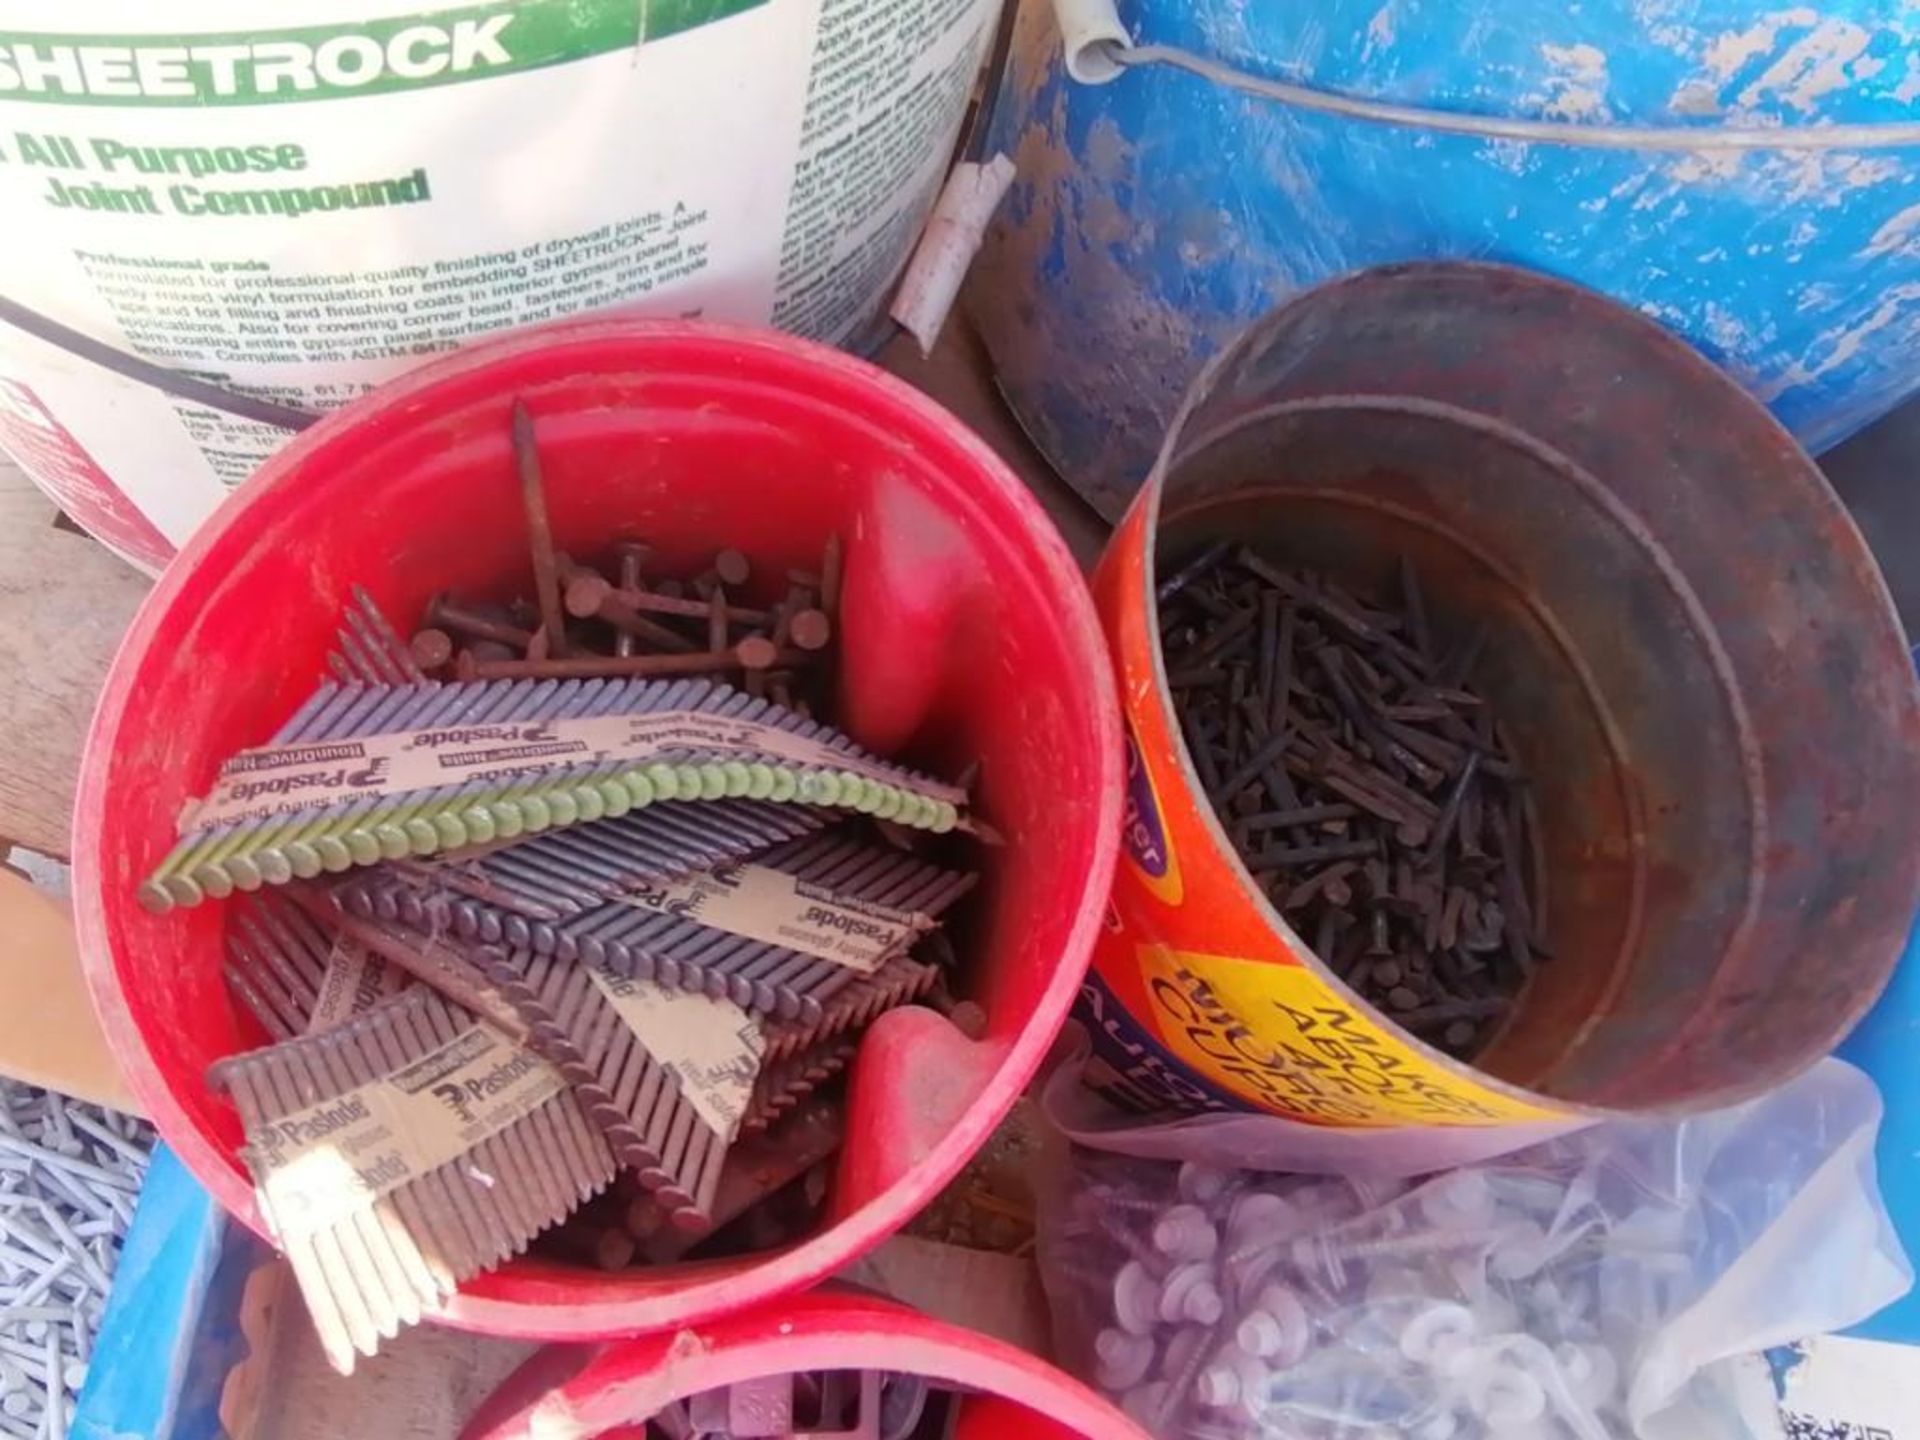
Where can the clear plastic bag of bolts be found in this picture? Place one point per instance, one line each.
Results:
(1593, 1287)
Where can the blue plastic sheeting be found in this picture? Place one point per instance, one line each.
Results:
(171, 1333)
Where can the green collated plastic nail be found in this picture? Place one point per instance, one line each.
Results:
(739, 778)
(244, 873)
(299, 857)
(392, 839)
(274, 868)
(334, 853)
(183, 890)
(534, 813)
(615, 800)
(945, 817)
(364, 848)
(478, 822)
(563, 806)
(760, 781)
(713, 780)
(449, 831)
(587, 804)
(214, 880)
(639, 788)
(220, 850)
(153, 897)
(666, 780)
(891, 804)
(820, 787)
(421, 833)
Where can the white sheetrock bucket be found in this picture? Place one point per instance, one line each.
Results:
(298, 202)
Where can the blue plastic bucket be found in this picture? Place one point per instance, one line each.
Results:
(1156, 214)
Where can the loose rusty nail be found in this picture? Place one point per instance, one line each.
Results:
(832, 576)
(1236, 716)
(590, 596)
(742, 656)
(810, 629)
(445, 613)
(732, 568)
(1299, 815)
(1450, 917)
(1326, 932)
(533, 497)
(1460, 663)
(633, 557)
(1276, 856)
(718, 635)
(645, 1216)
(431, 647)
(758, 1166)
(585, 589)
(1380, 943)
(1201, 564)
(756, 652)
(1450, 809)
(657, 602)
(605, 1247)
(783, 614)
(1201, 747)
(1453, 1011)
(1267, 755)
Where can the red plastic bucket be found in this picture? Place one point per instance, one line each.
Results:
(611, 1390)
(967, 635)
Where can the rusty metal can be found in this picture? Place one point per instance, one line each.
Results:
(1688, 639)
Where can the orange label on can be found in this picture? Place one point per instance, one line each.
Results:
(1279, 1038)
(1145, 844)
(1207, 969)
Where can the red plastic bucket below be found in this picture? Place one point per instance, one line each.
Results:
(611, 1390)
(967, 634)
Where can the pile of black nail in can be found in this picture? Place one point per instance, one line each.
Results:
(1364, 782)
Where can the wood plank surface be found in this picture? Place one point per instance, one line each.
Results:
(64, 604)
(48, 1034)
